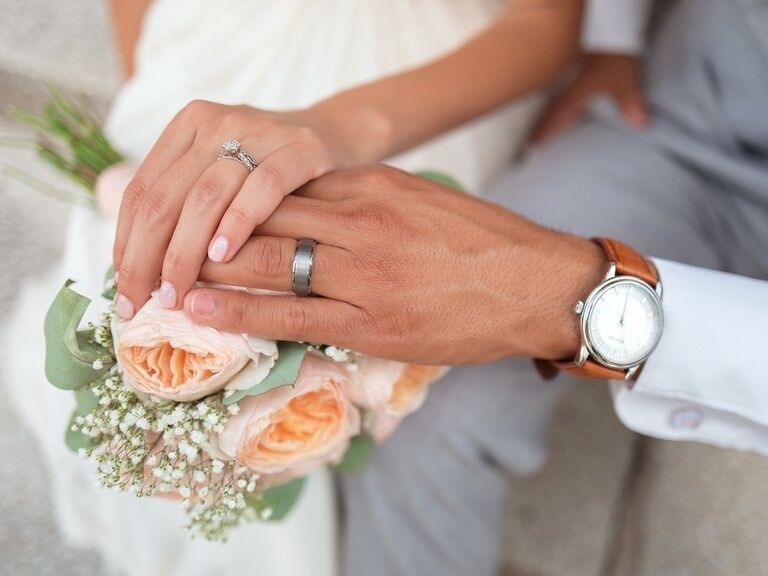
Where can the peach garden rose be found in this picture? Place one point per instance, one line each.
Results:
(293, 430)
(389, 391)
(164, 354)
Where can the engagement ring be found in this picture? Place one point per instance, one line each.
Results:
(233, 150)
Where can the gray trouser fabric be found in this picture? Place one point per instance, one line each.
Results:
(693, 188)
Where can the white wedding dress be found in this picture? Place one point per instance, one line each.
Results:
(273, 55)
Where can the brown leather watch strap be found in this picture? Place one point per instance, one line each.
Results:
(591, 369)
(628, 263)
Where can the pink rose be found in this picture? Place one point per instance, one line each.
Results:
(162, 353)
(292, 430)
(389, 391)
(110, 186)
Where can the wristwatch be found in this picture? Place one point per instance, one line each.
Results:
(621, 319)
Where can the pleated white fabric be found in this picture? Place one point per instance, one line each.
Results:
(273, 55)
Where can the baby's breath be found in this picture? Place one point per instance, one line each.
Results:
(150, 446)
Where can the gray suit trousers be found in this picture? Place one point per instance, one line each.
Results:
(692, 188)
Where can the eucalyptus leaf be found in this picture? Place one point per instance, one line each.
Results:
(441, 178)
(85, 401)
(69, 355)
(285, 372)
(357, 455)
(277, 502)
(109, 293)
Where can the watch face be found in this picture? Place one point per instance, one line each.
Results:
(623, 322)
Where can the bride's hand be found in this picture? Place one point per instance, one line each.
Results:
(183, 205)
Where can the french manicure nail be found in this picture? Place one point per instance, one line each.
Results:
(202, 304)
(218, 248)
(124, 307)
(167, 294)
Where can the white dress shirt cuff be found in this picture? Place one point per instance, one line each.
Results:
(706, 381)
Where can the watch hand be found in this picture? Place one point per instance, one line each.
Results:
(624, 310)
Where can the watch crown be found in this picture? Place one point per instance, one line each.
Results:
(579, 307)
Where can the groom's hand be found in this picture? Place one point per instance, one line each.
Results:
(406, 269)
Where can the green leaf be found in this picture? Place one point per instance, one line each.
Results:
(277, 502)
(356, 457)
(69, 355)
(285, 372)
(441, 178)
(85, 401)
(109, 293)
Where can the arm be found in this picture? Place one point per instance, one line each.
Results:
(706, 380)
(612, 36)
(127, 16)
(182, 204)
(526, 49)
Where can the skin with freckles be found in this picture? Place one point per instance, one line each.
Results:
(406, 269)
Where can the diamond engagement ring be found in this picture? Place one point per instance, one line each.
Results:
(303, 260)
(233, 150)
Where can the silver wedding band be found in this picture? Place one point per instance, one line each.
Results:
(233, 150)
(303, 260)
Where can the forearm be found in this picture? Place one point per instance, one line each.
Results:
(127, 16)
(524, 50)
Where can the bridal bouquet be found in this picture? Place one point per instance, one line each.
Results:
(227, 424)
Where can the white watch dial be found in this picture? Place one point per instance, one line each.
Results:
(624, 323)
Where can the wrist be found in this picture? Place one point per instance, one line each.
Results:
(575, 267)
(363, 132)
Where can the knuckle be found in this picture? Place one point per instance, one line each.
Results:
(155, 210)
(307, 136)
(230, 122)
(269, 257)
(371, 219)
(238, 313)
(174, 262)
(241, 218)
(270, 178)
(204, 194)
(134, 194)
(129, 277)
(193, 110)
(298, 320)
(373, 176)
(393, 326)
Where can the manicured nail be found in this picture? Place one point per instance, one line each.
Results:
(218, 248)
(202, 304)
(167, 294)
(124, 307)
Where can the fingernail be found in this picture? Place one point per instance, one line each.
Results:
(218, 248)
(167, 294)
(202, 304)
(124, 307)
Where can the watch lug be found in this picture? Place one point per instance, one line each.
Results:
(611, 271)
(631, 372)
(659, 289)
(582, 356)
